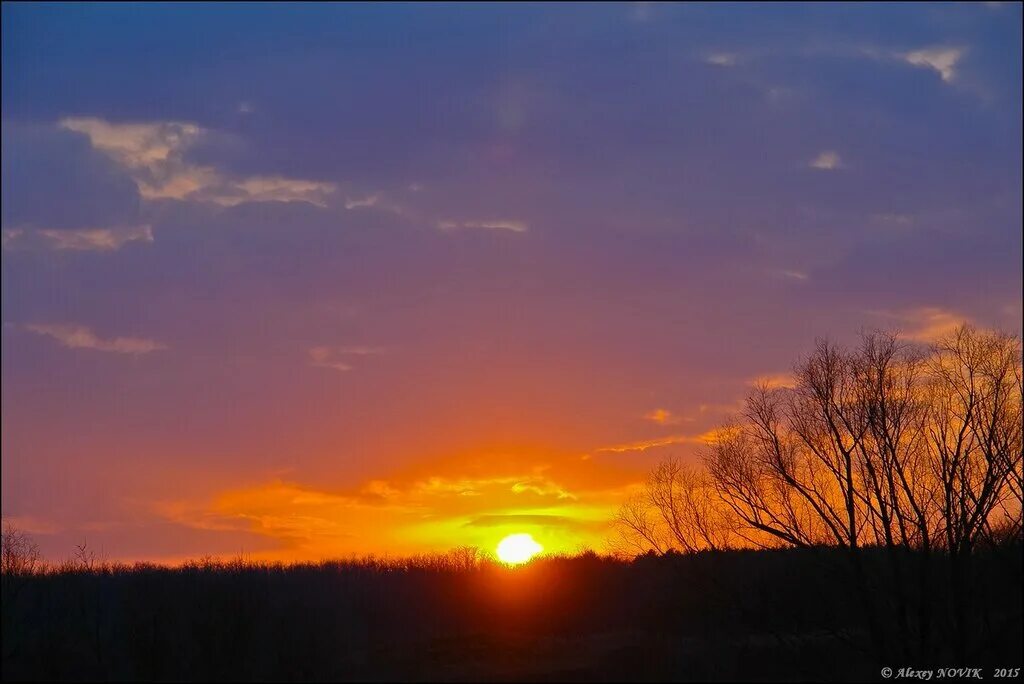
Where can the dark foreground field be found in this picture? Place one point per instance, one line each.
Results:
(764, 615)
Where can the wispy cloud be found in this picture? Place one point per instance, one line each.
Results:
(526, 520)
(358, 203)
(665, 417)
(31, 524)
(339, 358)
(827, 160)
(541, 487)
(923, 324)
(511, 226)
(658, 442)
(791, 274)
(98, 239)
(360, 351)
(774, 381)
(275, 189)
(324, 358)
(143, 146)
(725, 59)
(81, 337)
(942, 60)
(80, 239)
(11, 236)
(154, 154)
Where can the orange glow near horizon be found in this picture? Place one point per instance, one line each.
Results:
(430, 506)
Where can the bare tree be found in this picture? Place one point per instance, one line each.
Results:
(19, 554)
(974, 431)
(890, 445)
(636, 527)
(677, 509)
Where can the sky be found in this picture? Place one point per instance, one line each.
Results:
(296, 281)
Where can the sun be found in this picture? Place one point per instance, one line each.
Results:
(518, 548)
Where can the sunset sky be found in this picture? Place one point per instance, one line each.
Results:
(315, 281)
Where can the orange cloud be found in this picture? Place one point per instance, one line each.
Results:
(406, 514)
(775, 381)
(644, 445)
(924, 324)
(665, 417)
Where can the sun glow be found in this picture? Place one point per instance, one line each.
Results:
(518, 548)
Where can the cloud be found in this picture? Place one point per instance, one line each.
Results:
(380, 202)
(155, 154)
(285, 511)
(725, 59)
(792, 275)
(942, 60)
(322, 357)
(541, 487)
(774, 381)
(76, 239)
(524, 520)
(658, 442)
(334, 357)
(428, 512)
(81, 337)
(508, 489)
(31, 524)
(137, 145)
(97, 239)
(276, 189)
(664, 417)
(360, 351)
(511, 226)
(340, 366)
(11, 236)
(827, 160)
(926, 323)
(368, 201)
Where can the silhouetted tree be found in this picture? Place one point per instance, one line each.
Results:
(19, 554)
(676, 510)
(914, 450)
